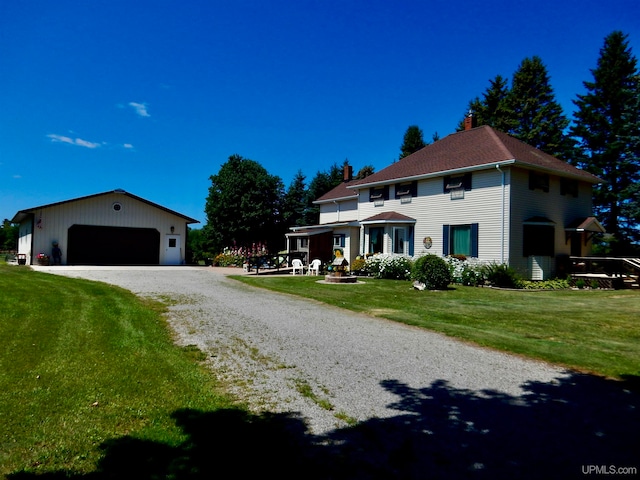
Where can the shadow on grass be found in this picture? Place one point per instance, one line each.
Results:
(563, 429)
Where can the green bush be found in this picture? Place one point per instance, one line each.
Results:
(501, 275)
(433, 271)
(357, 266)
(553, 284)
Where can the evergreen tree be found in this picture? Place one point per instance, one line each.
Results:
(244, 206)
(365, 172)
(492, 109)
(295, 201)
(607, 126)
(535, 116)
(322, 183)
(413, 141)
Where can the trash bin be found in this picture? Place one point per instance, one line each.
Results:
(22, 259)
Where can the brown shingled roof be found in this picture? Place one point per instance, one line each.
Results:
(340, 192)
(389, 217)
(470, 149)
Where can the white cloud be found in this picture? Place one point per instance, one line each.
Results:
(140, 108)
(72, 141)
(128, 146)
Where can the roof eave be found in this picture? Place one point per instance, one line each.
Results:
(338, 199)
(440, 173)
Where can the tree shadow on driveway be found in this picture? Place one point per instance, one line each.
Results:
(562, 429)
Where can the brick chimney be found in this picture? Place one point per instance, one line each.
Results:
(469, 121)
(348, 173)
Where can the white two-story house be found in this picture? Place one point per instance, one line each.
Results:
(479, 193)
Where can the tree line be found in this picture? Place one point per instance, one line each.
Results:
(603, 139)
(247, 206)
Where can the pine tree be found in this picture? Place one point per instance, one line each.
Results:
(492, 109)
(607, 127)
(295, 201)
(320, 184)
(536, 117)
(413, 141)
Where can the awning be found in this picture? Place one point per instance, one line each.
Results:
(308, 232)
(539, 221)
(589, 224)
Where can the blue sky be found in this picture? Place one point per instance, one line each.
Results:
(153, 97)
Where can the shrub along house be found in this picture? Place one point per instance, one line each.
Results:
(479, 193)
(111, 228)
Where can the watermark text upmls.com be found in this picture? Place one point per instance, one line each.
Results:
(608, 470)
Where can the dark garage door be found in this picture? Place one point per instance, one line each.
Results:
(94, 245)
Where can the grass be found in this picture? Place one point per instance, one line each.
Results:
(92, 386)
(593, 331)
(83, 363)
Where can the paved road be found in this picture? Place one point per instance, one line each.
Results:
(272, 347)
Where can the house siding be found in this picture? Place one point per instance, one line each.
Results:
(432, 209)
(560, 209)
(340, 211)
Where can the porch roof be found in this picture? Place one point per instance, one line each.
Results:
(589, 224)
(388, 217)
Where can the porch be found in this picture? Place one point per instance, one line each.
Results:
(605, 272)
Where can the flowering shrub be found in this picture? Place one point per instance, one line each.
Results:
(236, 256)
(393, 267)
(466, 271)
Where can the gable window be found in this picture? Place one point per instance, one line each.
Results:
(456, 182)
(538, 181)
(379, 194)
(339, 240)
(404, 191)
(460, 240)
(568, 186)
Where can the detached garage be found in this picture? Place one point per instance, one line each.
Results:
(111, 228)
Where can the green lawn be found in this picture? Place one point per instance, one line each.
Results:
(83, 363)
(595, 331)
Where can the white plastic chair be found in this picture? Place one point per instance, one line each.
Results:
(297, 266)
(314, 267)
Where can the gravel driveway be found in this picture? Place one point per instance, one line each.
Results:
(271, 347)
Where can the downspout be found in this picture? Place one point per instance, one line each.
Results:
(337, 210)
(502, 218)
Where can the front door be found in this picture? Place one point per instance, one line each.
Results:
(172, 250)
(576, 244)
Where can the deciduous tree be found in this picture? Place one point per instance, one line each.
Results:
(244, 206)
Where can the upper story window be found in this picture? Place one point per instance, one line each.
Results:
(456, 182)
(538, 181)
(568, 186)
(379, 194)
(406, 189)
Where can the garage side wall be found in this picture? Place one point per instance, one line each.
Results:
(109, 210)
